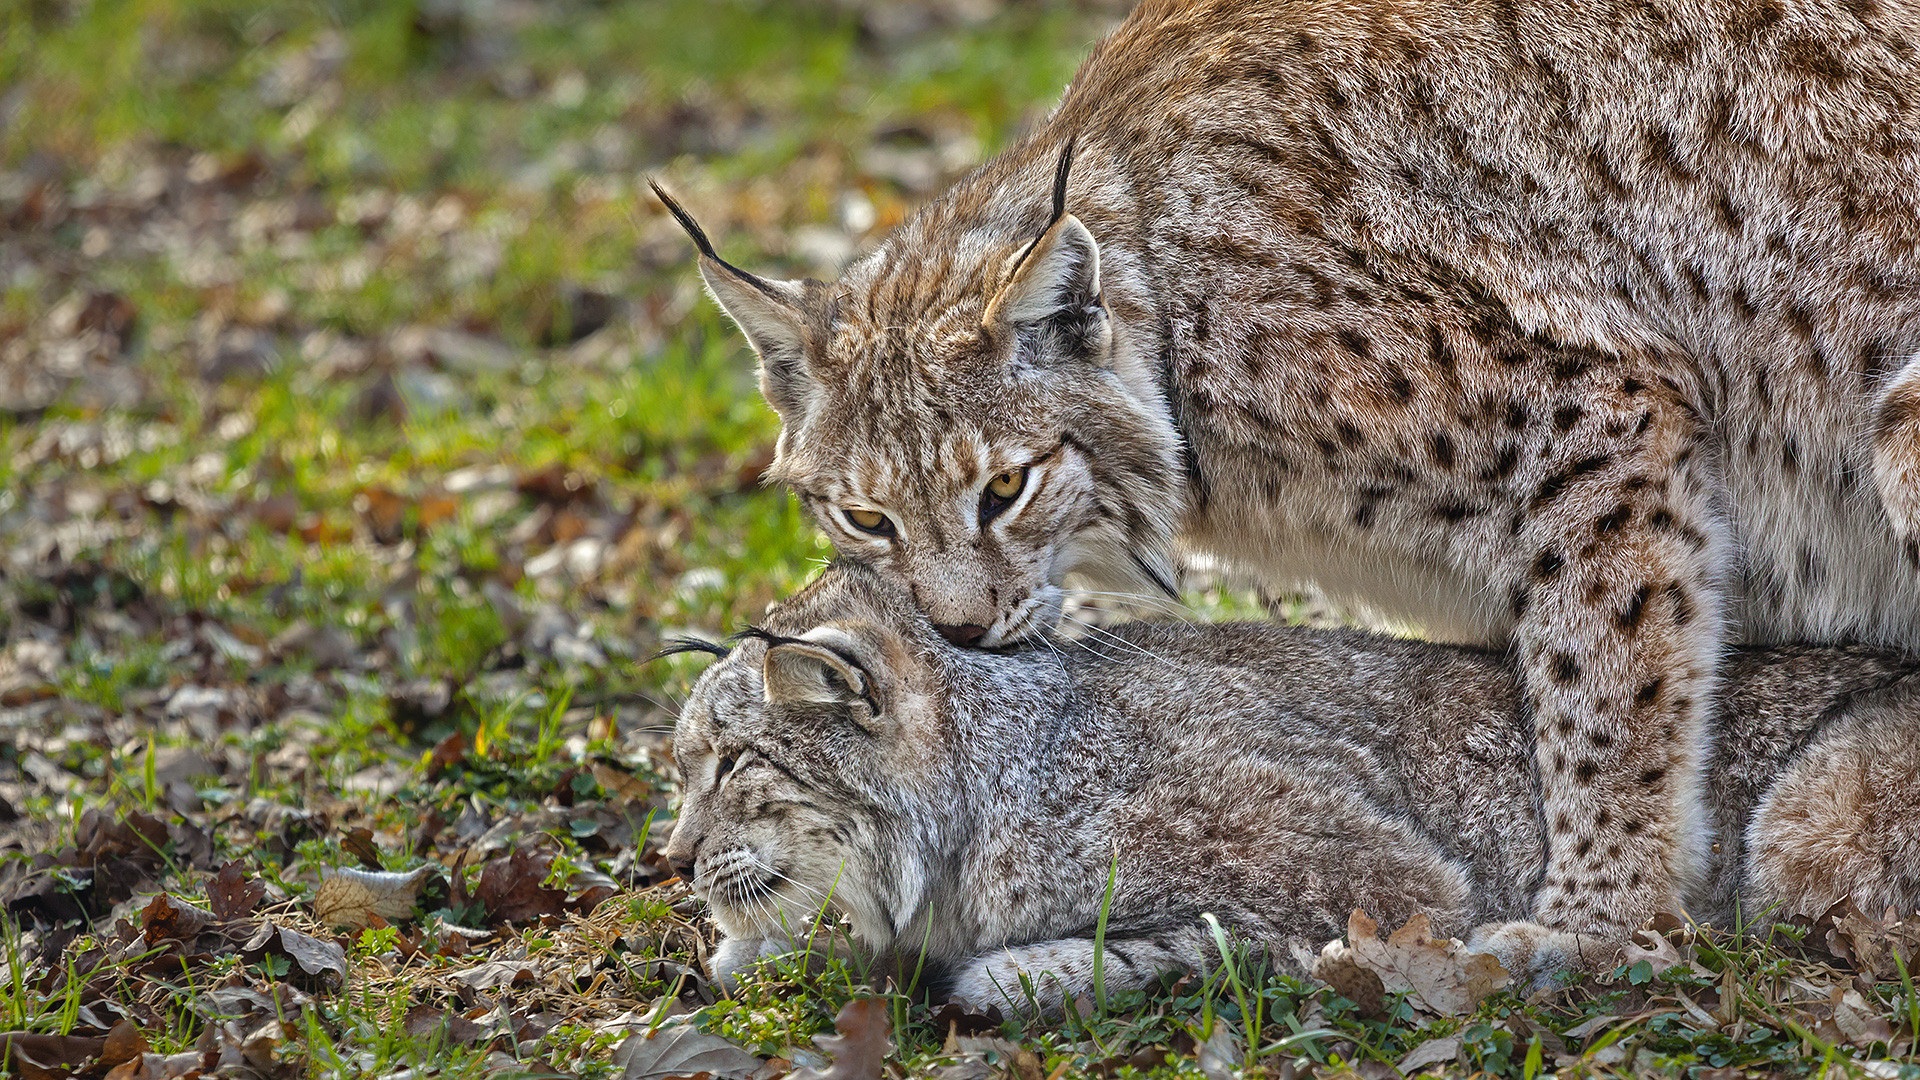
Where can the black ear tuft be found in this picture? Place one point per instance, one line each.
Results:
(1060, 172)
(676, 646)
(685, 219)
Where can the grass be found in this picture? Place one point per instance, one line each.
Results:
(365, 430)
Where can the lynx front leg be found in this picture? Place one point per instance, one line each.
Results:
(1619, 624)
(1896, 456)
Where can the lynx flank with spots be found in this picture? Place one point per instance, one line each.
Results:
(1584, 328)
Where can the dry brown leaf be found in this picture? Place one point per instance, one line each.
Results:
(682, 1050)
(383, 512)
(862, 1045)
(1878, 948)
(447, 753)
(512, 888)
(1444, 1050)
(495, 974)
(315, 957)
(352, 898)
(124, 1044)
(358, 842)
(621, 784)
(232, 894)
(1859, 1021)
(1014, 1061)
(31, 1055)
(454, 1029)
(168, 918)
(324, 960)
(1439, 976)
(1664, 945)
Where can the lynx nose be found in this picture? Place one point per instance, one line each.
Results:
(682, 867)
(965, 635)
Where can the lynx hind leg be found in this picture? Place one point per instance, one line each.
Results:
(1620, 629)
(1037, 980)
(1896, 456)
(1844, 820)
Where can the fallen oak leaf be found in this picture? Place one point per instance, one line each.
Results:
(1443, 1050)
(315, 957)
(861, 1047)
(1664, 944)
(358, 842)
(1438, 975)
(352, 898)
(450, 1028)
(513, 889)
(447, 753)
(232, 894)
(1859, 1022)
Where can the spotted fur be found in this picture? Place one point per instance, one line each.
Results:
(962, 809)
(1584, 328)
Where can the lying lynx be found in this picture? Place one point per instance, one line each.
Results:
(971, 803)
(1583, 325)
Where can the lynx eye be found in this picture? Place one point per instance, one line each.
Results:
(870, 521)
(1001, 491)
(725, 767)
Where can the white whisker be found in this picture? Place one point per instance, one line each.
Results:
(1141, 600)
(1115, 639)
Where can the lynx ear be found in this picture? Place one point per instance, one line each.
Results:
(821, 668)
(771, 313)
(1057, 279)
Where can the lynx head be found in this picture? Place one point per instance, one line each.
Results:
(963, 411)
(811, 758)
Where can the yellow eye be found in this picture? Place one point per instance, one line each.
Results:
(870, 521)
(1000, 493)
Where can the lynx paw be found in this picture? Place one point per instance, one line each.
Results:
(736, 956)
(1541, 958)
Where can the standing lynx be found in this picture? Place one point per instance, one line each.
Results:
(973, 804)
(1583, 327)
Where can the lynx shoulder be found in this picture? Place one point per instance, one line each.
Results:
(974, 804)
(1585, 328)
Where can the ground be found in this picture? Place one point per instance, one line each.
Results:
(363, 432)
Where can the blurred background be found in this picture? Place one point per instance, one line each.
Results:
(354, 390)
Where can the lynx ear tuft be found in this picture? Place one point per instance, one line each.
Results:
(1057, 279)
(820, 668)
(771, 313)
